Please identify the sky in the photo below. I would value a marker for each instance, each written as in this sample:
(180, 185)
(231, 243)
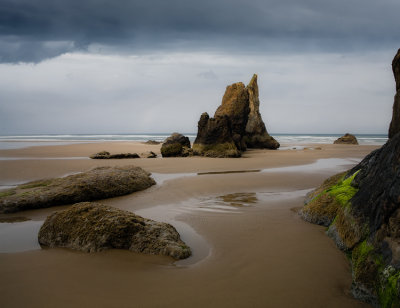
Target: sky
(148, 66)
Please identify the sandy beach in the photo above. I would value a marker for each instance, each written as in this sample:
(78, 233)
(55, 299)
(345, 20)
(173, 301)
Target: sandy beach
(250, 247)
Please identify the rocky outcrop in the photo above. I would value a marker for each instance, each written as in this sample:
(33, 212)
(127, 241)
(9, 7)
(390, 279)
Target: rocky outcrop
(346, 139)
(107, 155)
(236, 125)
(92, 227)
(95, 184)
(395, 123)
(361, 209)
(176, 145)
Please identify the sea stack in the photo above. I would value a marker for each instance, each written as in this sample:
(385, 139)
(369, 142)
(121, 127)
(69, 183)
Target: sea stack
(361, 209)
(236, 125)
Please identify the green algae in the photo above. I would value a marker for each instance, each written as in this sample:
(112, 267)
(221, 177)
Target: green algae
(343, 191)
(389, 290)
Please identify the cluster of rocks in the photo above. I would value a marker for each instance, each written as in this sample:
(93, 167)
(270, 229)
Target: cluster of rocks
(95, 184)
(346, 139)
(236, 125)
(92, 227)
(107, 155)
(361, 209)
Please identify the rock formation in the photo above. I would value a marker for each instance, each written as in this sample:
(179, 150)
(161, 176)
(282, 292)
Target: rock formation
(236, 125)
(95, 184)
(395, 124)
(346, 139)
(176, 145)
(92, 227)
(361, 209)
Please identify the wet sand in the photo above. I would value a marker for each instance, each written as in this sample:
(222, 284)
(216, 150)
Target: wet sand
(250, 247)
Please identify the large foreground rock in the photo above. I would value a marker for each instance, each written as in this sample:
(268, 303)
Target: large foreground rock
(95, 184)
(346, 139)
(92, 227)
(176, 145)
(236, 125)
(361, 209)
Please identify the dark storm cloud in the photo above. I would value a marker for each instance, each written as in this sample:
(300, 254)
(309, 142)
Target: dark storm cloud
(39, 29)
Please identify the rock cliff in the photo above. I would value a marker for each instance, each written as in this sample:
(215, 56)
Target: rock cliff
(92, 227)
(236, 125)
(361, 209)
(395, 124)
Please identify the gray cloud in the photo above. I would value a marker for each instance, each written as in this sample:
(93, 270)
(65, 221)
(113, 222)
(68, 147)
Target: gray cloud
(40, 29)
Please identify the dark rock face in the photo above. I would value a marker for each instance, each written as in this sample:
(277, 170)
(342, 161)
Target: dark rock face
(92, 227)
(346, 139)
(107, 155)
(175, 146)
(395, 124)
(362, 210)
(95, 184)
(236, 125)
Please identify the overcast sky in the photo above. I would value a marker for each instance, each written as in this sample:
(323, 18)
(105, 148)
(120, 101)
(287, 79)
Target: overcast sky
(134, 66)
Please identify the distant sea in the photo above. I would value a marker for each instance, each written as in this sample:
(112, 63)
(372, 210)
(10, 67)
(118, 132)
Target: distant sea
(23, 141)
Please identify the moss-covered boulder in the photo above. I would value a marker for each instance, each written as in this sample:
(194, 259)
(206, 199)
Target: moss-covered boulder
(176, 145)
(92, 227)
(95, 184)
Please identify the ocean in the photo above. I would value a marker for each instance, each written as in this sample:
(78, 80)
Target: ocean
(23, 141)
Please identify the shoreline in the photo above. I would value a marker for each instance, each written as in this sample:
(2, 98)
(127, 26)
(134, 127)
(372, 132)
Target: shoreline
(257, 245)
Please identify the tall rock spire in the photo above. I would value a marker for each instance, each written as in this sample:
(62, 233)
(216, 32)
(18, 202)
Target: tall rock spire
(256, 135)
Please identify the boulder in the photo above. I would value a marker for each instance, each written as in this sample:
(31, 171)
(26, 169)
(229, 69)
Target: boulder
(394, 127)
(92, 227)
(95, 184)
(236, 125)
(346, 139)
(176, 145)
(361, 209)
